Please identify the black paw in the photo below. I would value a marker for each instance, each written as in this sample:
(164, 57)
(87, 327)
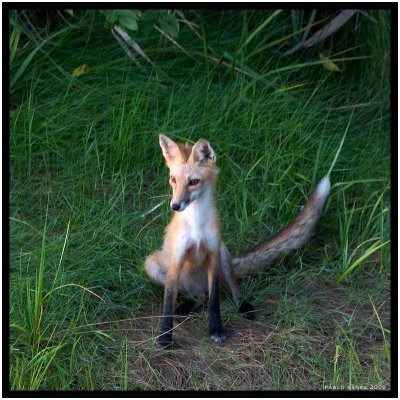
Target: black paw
(165, 340)
(218, 335)
(185, 308)
(247, 310)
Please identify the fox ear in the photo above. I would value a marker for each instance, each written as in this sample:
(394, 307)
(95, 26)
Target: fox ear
(202, 153)
(170, 150)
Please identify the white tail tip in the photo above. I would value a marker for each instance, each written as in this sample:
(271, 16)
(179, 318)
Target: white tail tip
(324, 187)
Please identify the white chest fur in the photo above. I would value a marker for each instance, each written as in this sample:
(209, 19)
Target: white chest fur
(198, 228)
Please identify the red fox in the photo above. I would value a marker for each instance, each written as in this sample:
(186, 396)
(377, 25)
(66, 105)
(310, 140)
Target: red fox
(193, 258)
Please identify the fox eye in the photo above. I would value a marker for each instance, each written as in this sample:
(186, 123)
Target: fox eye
(173, 179)
(194, 182)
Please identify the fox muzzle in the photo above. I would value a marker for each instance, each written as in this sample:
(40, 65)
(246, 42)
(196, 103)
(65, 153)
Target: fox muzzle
(179, 206)
(183, 204)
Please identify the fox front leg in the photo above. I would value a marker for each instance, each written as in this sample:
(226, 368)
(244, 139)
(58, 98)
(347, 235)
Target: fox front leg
(170, 294)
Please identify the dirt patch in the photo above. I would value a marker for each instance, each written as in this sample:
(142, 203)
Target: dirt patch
(266, 354)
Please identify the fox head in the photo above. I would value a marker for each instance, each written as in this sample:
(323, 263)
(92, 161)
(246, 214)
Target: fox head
(193, 171)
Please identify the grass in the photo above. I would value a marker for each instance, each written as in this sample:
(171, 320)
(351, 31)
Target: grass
(89, 201)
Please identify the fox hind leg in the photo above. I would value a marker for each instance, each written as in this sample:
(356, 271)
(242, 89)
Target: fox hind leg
(155, 269)
(244, 307)
(158, 273)
(216, 330)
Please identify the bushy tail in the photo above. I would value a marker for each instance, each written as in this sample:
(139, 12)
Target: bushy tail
(290, 238)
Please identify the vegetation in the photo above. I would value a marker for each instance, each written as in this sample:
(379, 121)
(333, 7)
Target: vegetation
(89, 198)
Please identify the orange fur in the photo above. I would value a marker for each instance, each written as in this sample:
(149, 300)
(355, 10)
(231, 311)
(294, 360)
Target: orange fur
(193, 258)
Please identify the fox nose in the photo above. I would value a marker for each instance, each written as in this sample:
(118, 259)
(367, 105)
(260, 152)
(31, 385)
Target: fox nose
(175, 206)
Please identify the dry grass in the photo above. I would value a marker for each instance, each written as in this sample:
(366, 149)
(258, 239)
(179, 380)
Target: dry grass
(266, 354)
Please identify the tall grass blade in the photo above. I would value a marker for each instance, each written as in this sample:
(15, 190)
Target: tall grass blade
(32, 54)
(261, 27)
(341, 144)
(38, 297)
(310, 23)
(384, 330)
(14, 40)
(74, 284)
(336, 372)
(355, 264)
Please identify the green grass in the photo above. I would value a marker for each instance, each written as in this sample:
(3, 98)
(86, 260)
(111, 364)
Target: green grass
(89, 201)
